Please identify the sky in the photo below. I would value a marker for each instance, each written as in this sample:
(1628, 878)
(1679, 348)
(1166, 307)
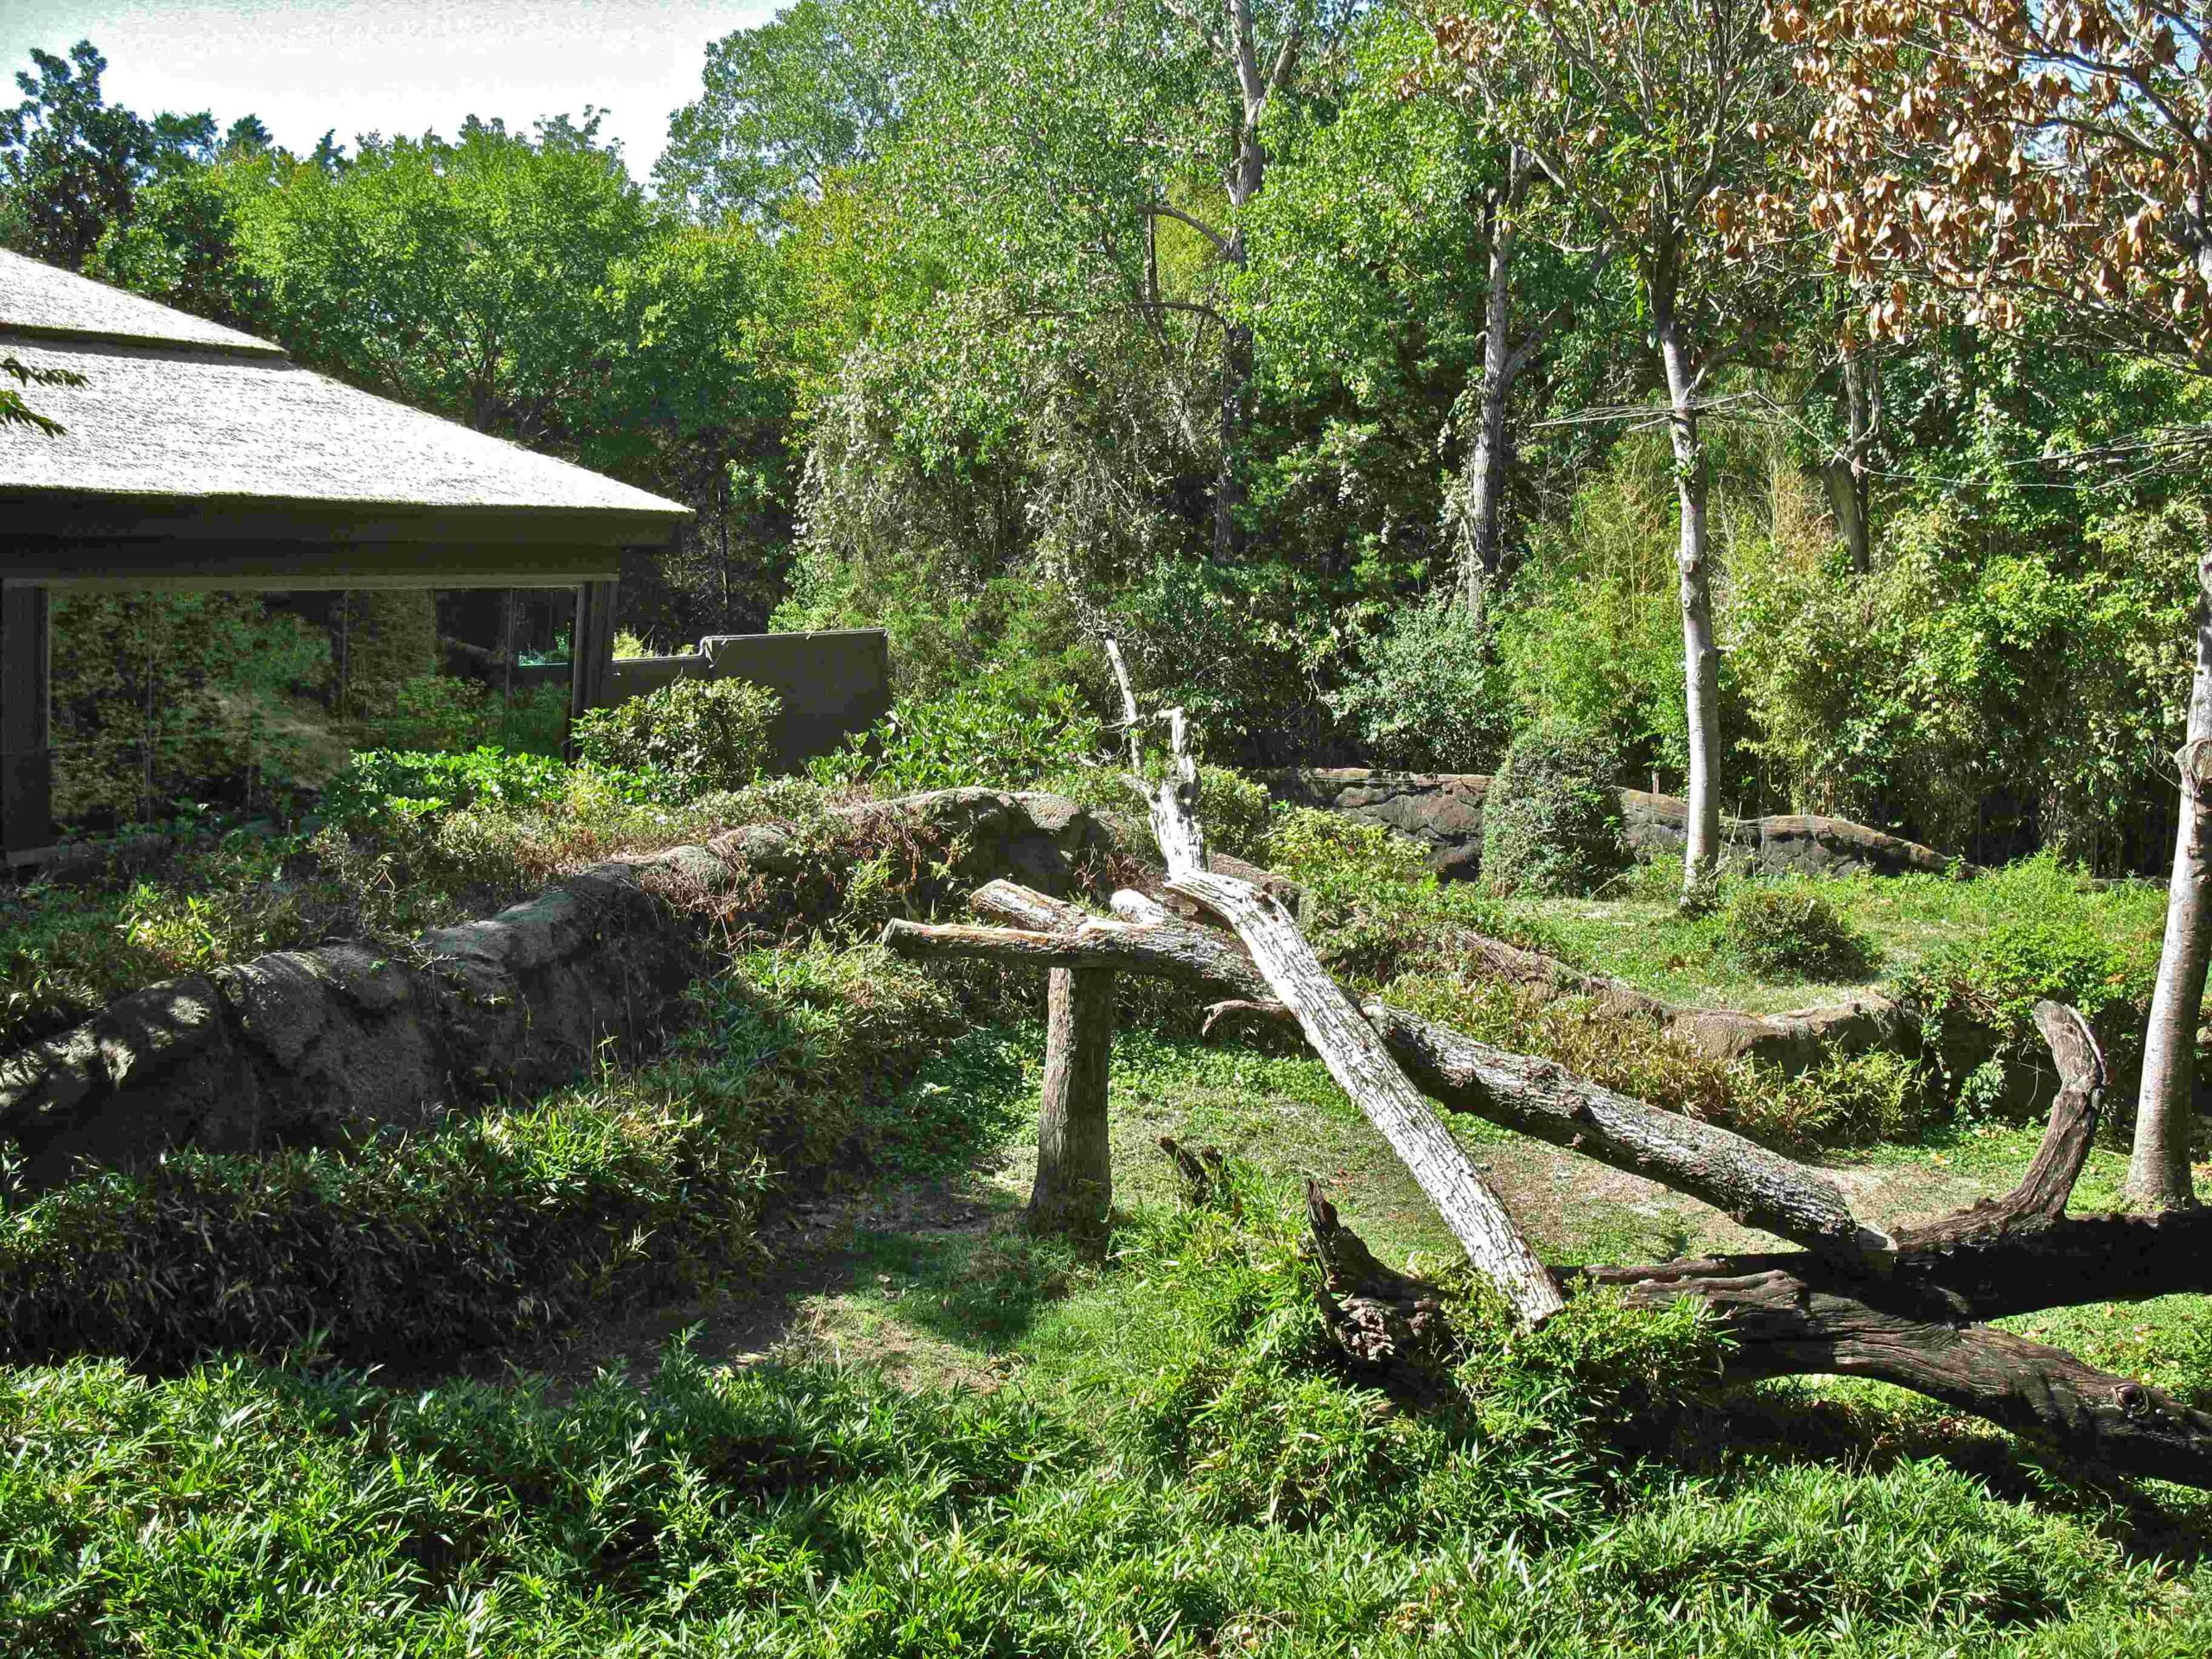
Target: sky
(395, 66)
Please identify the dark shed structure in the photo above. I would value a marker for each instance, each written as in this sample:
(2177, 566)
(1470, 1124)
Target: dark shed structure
(196, 457)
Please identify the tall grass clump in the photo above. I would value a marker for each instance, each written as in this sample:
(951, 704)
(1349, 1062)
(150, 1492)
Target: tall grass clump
(483, 1229)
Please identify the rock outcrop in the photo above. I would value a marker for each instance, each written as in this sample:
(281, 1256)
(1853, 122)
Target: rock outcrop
(302, 1047)
(1444, 811)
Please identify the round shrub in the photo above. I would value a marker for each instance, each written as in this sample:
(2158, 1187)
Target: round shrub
(1430, 695)
(1787, 931)
(1552, 823)
(700, 734)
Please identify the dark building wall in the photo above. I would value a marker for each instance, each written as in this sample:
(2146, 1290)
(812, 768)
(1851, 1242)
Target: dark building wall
(832, 684)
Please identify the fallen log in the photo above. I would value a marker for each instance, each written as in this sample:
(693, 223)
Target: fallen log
(1757, 1187)
(1355, 1055)
(1782, 1326)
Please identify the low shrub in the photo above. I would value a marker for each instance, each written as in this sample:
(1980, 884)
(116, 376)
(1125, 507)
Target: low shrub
(433, 712)
(1217, 1374)
(994, 731)
(1976, 997)
(1852, 1100)
(1552, 821)
(1430, 694)
(383, 786)
(1327, 849)
(1788, 930)
(697, 734)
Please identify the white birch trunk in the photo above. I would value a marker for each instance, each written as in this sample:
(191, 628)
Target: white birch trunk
(2158, 1170)
(1700, 656)
(1354, 1053)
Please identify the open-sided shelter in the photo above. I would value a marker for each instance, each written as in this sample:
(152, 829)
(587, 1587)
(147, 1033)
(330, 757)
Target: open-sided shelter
(194, 455)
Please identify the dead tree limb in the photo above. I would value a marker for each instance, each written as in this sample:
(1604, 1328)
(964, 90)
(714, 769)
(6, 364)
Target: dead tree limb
(1782, 1326)
(1349, 1047)
(1384, 1321)
(2039, 1200)
(1757, 1187)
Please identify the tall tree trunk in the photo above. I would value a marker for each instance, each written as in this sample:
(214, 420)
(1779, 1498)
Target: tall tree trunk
(2157, 1171)
(1700, 656)
(1236, 423)
(1479, 553)
(1845, 475)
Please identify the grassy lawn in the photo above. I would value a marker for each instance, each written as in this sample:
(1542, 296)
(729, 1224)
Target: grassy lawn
(930, 1434)
(1633, 930)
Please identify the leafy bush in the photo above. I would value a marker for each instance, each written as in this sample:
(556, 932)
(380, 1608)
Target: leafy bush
(1976, 997)
(1236, 810)
(490, 1228)
(1429, 694)
(1552, 821)
(698, 734)
(1788, 930)
(992, 732)
(387, 786)
(1313, 847)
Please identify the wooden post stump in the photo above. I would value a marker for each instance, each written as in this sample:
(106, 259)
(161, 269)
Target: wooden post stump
(1075, 1166)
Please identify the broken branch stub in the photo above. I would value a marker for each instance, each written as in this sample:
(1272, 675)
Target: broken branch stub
(1074, 1188)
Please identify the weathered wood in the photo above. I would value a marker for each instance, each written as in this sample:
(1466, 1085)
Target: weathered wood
(1190, 955)
(1780, 1326)
(1755, 1185)
(1758, 1187)
(1352, 1050)
(1074, 1188)
(2039, 1199)
(1383, 1321)
(1015, 905)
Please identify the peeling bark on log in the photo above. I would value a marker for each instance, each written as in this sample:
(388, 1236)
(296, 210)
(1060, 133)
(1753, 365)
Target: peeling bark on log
(1385, 1322)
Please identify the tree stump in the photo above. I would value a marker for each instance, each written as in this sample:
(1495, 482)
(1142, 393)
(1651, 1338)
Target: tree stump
(1075, 1166)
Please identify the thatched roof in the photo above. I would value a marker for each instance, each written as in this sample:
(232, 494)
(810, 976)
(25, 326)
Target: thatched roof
(183, 413)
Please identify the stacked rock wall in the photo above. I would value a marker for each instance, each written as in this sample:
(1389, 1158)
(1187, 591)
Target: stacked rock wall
(300, 1047)
(1445, 810)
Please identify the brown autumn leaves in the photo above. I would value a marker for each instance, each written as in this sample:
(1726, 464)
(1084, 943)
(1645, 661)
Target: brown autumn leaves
(1983, 161)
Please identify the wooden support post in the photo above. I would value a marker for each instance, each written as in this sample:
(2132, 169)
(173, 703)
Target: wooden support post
(1075, 1162)
(591, 649)
(26, 755)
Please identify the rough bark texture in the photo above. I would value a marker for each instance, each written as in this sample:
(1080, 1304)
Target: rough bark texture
(2158, 1170)
(1782, 1327)
(1701, 655)
(1074, 1186)
(1909, 1308)
(1350, 1049)
(1387, 1324)
(1480, 541)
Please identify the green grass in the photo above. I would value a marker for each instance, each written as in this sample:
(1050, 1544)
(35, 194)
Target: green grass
(1635, 932)
(969, 1440)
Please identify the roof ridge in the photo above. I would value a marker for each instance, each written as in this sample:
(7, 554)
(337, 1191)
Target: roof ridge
(247, 346)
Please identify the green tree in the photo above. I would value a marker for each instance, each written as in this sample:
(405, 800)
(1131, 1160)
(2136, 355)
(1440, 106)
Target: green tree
(71, 163)
(1664, 121)
(785, 107)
